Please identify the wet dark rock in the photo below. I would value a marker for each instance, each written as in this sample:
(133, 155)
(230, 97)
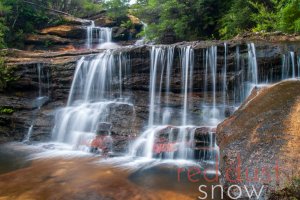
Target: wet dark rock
(122, 118)
(128, 120)
(104, 127)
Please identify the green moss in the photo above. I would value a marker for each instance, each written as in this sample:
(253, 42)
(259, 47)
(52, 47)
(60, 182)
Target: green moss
(291, 191)
(6, 73)
(7, 111)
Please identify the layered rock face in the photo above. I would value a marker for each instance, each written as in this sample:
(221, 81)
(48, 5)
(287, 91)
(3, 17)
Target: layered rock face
(72, 33)
(262, 137)
(20, 94)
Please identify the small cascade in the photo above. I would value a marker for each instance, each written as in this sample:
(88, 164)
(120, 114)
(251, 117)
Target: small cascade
(97, 36)
(161, 65)
(157, 60)
(167, 112)
(292, 55)
(96, 90)
(211, 112)
(187, 63)
(213, 69)
(43, 96)
(252, 72)
(166, 137)
(142, 40)
(238, 92)
(288, 67)
(224, 77)
(29, 133)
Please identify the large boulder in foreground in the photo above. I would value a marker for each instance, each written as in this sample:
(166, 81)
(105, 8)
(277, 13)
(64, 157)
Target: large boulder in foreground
(263, 134)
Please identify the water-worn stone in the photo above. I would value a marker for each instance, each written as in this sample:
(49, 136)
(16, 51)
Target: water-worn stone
(66, 31)
(263, 133)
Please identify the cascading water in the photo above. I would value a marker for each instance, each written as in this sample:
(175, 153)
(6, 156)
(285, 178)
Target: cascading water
(292, 54)
(95, 89)
(185, 131)
(288, 69)
(43, 90)
(96, 36)
(211, 112)
(187, 64)
(252, 73)
(142, 40)
(166, 137)
(224, 75)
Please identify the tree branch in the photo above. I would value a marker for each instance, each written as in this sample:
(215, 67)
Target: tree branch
(43, 7)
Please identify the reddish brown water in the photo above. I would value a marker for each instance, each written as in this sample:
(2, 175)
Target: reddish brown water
(84, 178)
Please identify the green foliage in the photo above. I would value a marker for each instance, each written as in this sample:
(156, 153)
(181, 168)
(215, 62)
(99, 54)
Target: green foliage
(77, 8)
(187, 20)
(18, 17)
(4, 10)
(209, 19)
(180, 19)
(6, 74)
(117, 9)
(88, 8)
(289, 17)
(235, 22)
(7, 111)
(22, 18)
(3, 29)
(127, 24)
(291, 191)
(265, 16)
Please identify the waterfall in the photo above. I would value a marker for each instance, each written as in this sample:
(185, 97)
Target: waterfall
(95, 35)
(239, 89)
(183, 111)
(96, 88)
(142, 40)
(29, 133)
(288, 66)
(42, 98)
(292, 55)
(252, 74)
(187, 63)
(213, 70)
(165, 138)
(283, 68)
(224, 75)
(168, 111)
(157, 60)
(211, 113)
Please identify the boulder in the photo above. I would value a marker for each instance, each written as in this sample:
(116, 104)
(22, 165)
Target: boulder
(103, 127)
(263, 134)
